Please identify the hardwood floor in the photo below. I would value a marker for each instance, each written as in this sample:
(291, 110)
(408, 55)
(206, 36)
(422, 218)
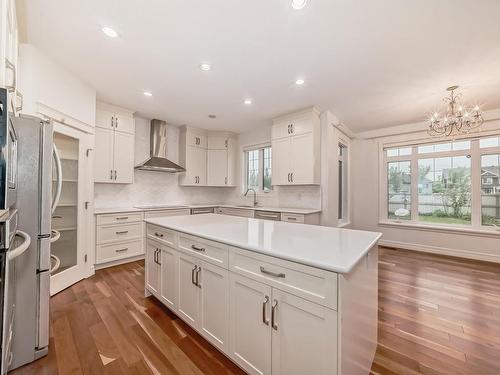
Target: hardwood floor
(437, 315)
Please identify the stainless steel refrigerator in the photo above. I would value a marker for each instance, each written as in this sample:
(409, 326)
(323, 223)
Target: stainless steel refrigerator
(34, 204)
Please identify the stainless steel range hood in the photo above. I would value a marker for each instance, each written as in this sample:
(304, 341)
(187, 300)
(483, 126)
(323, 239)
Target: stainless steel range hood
(158, 161)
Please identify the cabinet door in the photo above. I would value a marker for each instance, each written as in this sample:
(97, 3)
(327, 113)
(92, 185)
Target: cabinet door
(217, 167)
(196, 166)
(124, 124)
(124, 158)
(281, 161)
(168, 277)
(152, 268)
(196, 139)
(217, 143)
(104, 119)
(250, 331)
(302, 159)
(280, 129)
(188, 301)
(103, 160)
(304, 336)
(214, 305)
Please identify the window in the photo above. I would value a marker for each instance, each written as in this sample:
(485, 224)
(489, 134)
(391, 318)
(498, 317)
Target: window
(433, 183)
(399, 190)
(343, 211)
(258, 169)
(490, 194)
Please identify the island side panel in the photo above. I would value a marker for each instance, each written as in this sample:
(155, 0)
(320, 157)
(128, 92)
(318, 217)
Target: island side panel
(358, 312)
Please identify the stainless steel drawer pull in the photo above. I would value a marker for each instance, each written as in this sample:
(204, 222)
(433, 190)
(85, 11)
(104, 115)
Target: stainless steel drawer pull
(273, 315)
(272, 216)
(197, 248)
(270, 273)
(265, 320)
(122, 218)
(158, 234)
(122, 232)
(121, 250)
(291, 218)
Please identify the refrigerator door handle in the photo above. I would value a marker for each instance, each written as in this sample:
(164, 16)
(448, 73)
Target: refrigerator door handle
(14, 253)
(57, 195)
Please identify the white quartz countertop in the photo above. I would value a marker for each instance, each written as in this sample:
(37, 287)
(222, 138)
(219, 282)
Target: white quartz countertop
(115, 210)
(331, 249)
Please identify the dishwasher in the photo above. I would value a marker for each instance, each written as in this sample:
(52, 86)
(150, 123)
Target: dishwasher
(268, 215)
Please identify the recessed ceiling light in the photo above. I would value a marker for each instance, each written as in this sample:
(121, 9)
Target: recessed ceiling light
(148, 93)
(299, 82)
(248, 101)
(298, 4)
(110, 32)
(205, 67)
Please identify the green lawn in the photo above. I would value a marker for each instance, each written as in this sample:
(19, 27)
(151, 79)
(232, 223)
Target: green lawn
(443, 220)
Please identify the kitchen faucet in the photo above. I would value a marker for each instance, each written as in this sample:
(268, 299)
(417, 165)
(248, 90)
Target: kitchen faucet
(254, 196)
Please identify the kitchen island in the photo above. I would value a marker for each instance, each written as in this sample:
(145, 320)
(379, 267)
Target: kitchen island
(274, 297)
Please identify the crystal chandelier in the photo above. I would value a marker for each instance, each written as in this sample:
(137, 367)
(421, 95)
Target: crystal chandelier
(457, 119)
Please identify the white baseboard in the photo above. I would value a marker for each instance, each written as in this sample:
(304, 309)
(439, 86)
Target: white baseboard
(118, 262)
(476, 255)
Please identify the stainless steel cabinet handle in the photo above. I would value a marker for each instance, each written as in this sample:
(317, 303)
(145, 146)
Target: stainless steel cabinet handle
(121, 218)
(263, 214)
(122, 232)
(158, 257)
(273, 315)
(264, 311)
(288, 177)
(291, 128)
(192, 275)
(291, 177)
(115, 174)
(291, 218)
(198, 277)
(270, 273)
(111, 174)
(155, 254)
(158, 234)
(197, 248)
(116, 122)
(121, 250)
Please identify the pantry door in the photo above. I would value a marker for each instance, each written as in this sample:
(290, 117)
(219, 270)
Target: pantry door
(71, 219)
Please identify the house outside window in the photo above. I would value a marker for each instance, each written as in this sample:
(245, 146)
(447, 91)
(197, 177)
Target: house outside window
(446, 183)
(258, 169)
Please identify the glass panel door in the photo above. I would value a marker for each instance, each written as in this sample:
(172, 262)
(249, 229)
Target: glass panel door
(70, 217)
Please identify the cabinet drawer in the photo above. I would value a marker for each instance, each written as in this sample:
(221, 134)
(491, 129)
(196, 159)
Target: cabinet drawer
(121, 250)
(162, 213)
(235, 212)
(124, 217)
(162, 235)
(292, 218)
(114, 233)
(267, 215)
(313, 284)
(210, 251)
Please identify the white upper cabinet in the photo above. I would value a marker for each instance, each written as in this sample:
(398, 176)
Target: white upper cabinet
(209, 158)
(9, 52)
(114, 145)
(295, 140)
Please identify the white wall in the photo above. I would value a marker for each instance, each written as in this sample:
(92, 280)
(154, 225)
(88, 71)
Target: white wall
(41, 80)
(163, 188)
(365, 190)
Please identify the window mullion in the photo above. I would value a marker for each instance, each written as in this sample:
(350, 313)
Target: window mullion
(414, 184)
(261, 169)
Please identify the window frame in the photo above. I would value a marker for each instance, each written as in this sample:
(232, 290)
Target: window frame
(476, 178)
(260, 190)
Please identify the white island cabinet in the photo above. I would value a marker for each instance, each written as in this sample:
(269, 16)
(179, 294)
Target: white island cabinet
(275, 297)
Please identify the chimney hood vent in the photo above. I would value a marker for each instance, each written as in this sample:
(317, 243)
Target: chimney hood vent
(158, 161)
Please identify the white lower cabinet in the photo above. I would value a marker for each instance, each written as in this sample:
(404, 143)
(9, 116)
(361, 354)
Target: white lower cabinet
(168, 277)
(304, 336)
(213, 283)
(153, 268)
(263, 329)
(188, 304)
(250, 324)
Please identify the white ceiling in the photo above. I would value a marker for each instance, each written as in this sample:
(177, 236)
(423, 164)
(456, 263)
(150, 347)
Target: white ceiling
(373, 63)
